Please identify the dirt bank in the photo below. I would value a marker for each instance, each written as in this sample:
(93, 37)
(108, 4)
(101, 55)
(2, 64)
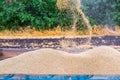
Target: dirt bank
(56, 42)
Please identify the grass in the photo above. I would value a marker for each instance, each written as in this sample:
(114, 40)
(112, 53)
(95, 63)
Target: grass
(57, 32)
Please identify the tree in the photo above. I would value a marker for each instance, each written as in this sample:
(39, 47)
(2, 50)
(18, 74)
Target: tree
(117, 13)
(41, 14)
(102, 11)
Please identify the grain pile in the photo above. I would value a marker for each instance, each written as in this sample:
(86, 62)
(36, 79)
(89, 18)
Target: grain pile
(100, 60)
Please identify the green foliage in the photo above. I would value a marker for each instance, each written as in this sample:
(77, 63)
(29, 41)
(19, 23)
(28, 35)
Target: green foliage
(44, 14)
(65, 19)
(41, 14)
(117, 12)
(102, 11)
(8, 13)
(81, 24)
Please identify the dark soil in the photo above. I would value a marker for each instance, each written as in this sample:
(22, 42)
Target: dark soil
(1, 53)
(55, 42)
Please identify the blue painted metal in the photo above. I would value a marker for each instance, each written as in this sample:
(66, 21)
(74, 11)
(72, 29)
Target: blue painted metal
(57, 77)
